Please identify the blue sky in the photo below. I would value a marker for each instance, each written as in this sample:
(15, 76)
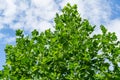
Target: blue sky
(39, 14)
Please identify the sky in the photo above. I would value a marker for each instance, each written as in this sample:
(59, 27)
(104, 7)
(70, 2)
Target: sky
(39, 14)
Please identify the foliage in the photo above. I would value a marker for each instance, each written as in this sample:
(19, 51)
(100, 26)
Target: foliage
(68, 53)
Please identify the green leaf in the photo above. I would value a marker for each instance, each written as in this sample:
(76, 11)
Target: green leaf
(19, 32)
(34, 33)
(104, 30)
(113, 37)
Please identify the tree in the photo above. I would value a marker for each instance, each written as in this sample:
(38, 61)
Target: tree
(71, 52)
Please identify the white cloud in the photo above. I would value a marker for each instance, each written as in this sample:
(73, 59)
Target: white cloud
(31, 15)
(10, 8)
(9, 40)
(16, 26)
(1, 26)
(37, 14)
(45, 25)
(97, 11)
(114, 26)
(2, 35)
(1, 5)
(43, 4)
(19, 14)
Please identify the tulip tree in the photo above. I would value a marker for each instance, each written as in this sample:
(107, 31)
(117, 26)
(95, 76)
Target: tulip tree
(71, 52)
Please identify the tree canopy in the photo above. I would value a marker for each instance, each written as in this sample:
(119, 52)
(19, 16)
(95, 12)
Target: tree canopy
(71, 52)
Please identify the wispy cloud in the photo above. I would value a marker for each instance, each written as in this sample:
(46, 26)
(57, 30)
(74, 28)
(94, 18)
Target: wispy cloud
(39, 14)
(97, 11)
(2, 35)
(114, 26)
(31, 14)
(28, 15)
(10, 40)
